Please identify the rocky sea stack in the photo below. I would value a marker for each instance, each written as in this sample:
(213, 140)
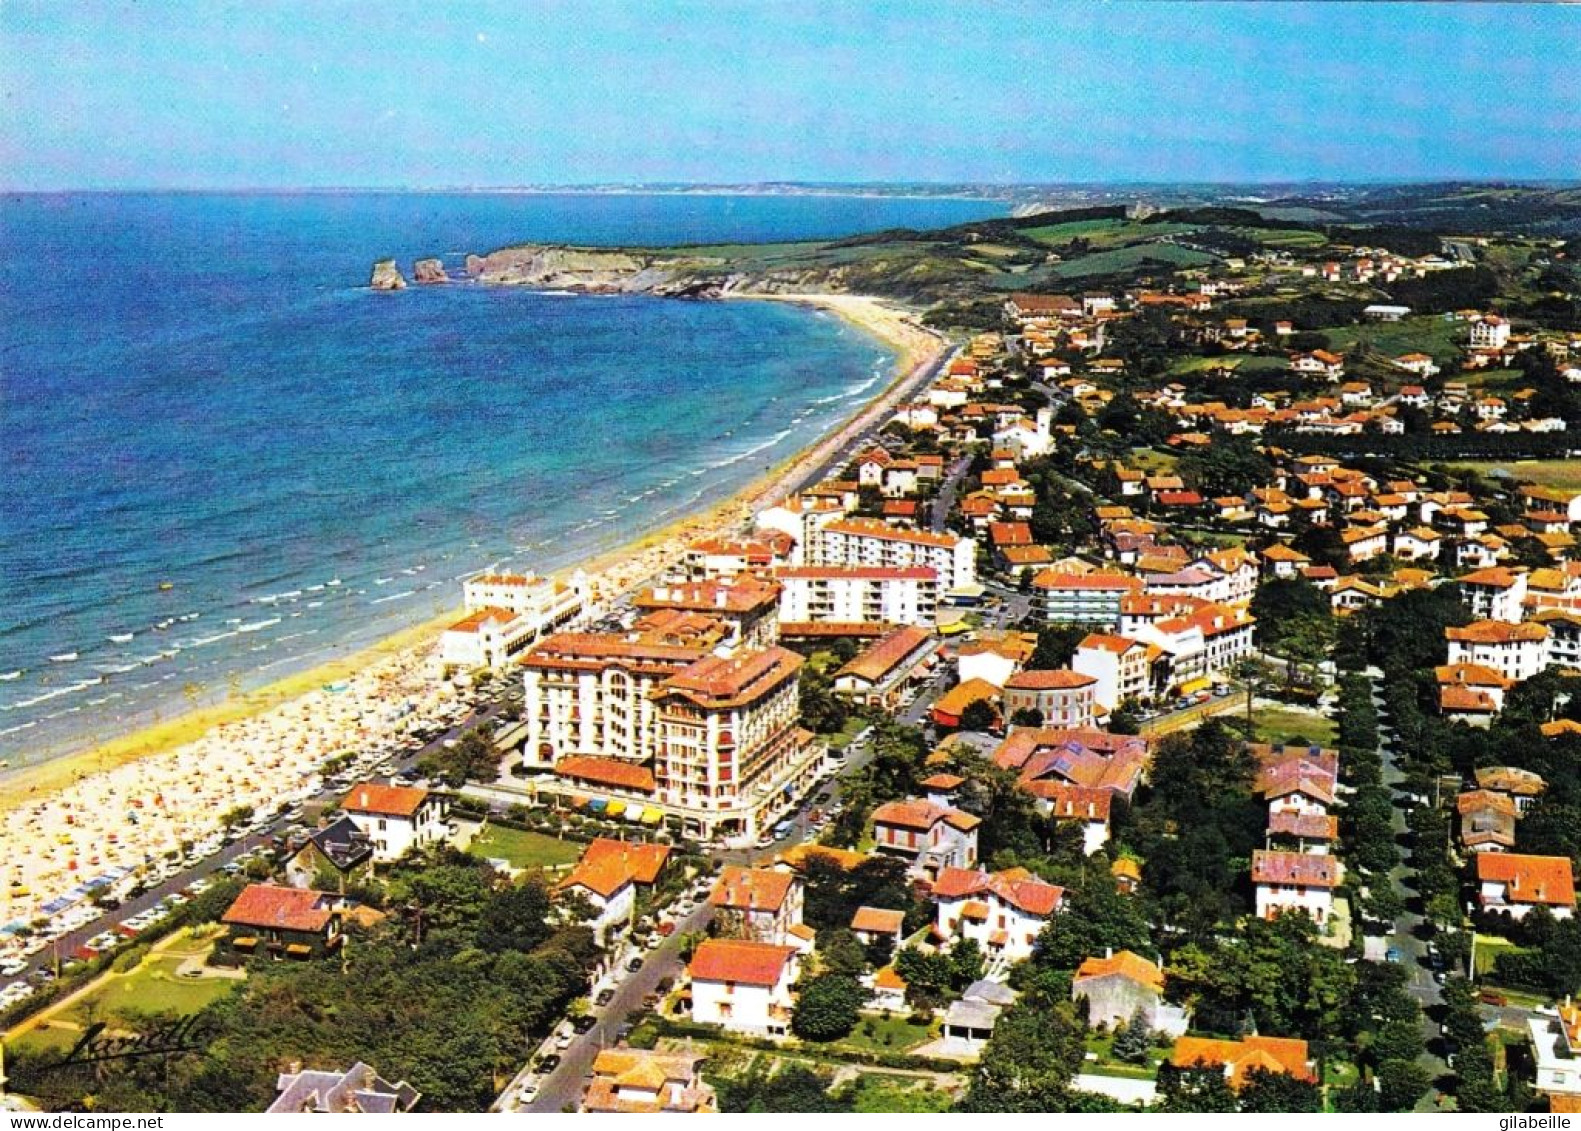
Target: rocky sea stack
(387, 276)
(429, 271)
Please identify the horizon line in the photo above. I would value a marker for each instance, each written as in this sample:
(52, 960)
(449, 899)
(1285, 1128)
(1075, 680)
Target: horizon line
(963, 187)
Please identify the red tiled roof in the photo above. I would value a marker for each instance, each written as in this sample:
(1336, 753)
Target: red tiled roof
(1055, 679)
(879, 659)
(1529, 879)
(751, 889)
(606, 772)
(1299, 868)
(384, 800)
(733, 960)
(1128, 965)
(608, 865)
(266, 906)
(879, 920)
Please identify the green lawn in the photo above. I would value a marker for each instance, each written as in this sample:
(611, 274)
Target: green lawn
(842, 738)
(523, 849)
(153, 988)
(1488, 949)
(1284, 724)
(1123, 259)
(1560, 473)
(1101, 1044)
(1430, 334)
(893, 1034)
(1243, 366)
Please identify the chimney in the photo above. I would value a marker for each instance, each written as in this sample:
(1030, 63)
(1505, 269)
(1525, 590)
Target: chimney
(364, 801)
(1108, 952)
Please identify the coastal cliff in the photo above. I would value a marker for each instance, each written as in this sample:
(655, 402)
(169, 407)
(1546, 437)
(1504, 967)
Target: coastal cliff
(598, 271)
(429, 271)
(387, 276)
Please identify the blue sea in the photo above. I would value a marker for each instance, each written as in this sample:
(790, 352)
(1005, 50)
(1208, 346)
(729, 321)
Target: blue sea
(216, 441)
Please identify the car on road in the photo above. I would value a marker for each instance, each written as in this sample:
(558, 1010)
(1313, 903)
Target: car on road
(1392, 954)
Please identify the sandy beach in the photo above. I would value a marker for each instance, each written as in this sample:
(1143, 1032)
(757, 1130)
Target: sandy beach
(138, 797)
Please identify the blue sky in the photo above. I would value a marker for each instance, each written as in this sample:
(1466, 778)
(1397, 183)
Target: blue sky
(334, 93)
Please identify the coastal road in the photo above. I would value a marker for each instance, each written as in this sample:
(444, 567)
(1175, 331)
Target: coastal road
(64, 947)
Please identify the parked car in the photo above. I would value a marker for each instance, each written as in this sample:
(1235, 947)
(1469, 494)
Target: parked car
(528, 1093)
(584, 1023)
(548, 1064)
(634, 965)
(604, 997)
(1492, 997)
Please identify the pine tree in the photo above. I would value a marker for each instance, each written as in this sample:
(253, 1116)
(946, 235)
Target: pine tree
(1133, 1040)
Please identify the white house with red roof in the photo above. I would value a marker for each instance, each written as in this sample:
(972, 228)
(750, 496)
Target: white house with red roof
(760, 904)
(930, 837)
(744, 986)
(396, 818)
(1513, 884)
(1061, 697)
(1295, 881)
(1003, 912)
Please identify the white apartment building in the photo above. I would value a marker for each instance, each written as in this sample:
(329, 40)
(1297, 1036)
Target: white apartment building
(1082, 598)
(870, 542)
(545, 603)
(1515, 651)
(906, 595)
(1122, 666)
(1496, 593)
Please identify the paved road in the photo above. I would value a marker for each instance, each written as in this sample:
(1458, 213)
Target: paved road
(944, 501)
(562, 1088)
(1407, 934)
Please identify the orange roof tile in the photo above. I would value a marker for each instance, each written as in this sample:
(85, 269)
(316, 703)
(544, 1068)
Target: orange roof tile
(751, 889)
(384, 800)
(734, 960)
(1127, 964)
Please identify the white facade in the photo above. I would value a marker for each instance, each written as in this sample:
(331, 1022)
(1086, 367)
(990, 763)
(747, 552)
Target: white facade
(742, 987)
(1121, 666)
(852, 594)
(544, 602)
(868, 542)
(396, 820)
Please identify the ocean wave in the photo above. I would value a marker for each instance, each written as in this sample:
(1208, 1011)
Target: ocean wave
(393, 597)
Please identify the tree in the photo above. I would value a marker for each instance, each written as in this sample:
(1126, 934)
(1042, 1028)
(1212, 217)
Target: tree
(793, 1088)
(1401, 1083)
(926, 974)
(828, 1008)
(967, 963)
(1194, 1090)
(1097, 919)
(842, 953)
(979, 715)
(1133, 1040)
(1029, 1062)
(1269, 1090)
(1027, 717)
